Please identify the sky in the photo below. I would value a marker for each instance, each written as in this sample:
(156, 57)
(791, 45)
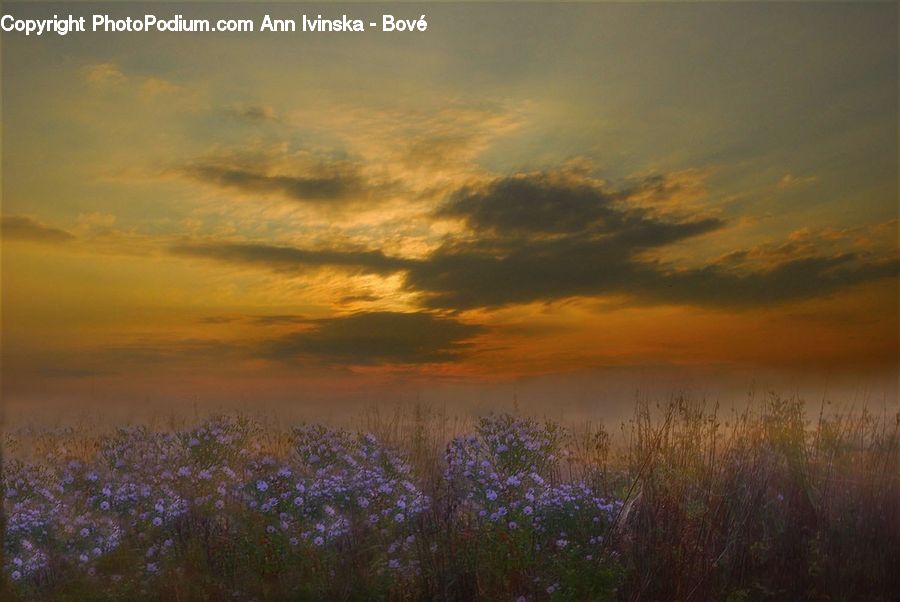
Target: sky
(558, 205)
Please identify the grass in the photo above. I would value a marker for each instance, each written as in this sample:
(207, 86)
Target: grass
(683, 503)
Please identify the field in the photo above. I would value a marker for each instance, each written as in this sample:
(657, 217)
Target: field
(680, 503)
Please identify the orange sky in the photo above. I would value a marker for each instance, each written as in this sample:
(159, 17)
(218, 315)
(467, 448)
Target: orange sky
(639, 196)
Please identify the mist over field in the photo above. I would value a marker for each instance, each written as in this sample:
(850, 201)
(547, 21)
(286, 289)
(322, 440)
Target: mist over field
(539, 302)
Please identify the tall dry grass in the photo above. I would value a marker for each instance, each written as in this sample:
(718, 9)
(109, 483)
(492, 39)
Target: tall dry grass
(764, 504)
(767, 503)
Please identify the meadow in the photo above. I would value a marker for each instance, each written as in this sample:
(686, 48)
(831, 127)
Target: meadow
(682, 502)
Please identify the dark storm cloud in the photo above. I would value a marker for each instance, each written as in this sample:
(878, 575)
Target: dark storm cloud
(546, 204)
(542, 237)
(20, 227)
(795, 279)
(332, 184)
(377, 338)
(285, 258)
(546, 237)
(534, 204)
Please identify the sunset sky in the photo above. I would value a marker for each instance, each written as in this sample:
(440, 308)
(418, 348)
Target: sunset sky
(543, 201)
